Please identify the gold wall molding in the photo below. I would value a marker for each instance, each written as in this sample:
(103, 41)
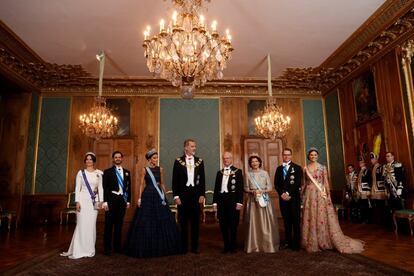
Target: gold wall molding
(407, 52)
(136, 89)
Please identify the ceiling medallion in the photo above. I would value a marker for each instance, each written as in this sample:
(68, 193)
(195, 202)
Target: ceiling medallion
(185, 51)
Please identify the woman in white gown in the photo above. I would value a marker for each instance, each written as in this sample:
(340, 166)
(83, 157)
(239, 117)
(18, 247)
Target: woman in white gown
(87, 199)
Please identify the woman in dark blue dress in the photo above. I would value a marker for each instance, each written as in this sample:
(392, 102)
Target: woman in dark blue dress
(153, 230)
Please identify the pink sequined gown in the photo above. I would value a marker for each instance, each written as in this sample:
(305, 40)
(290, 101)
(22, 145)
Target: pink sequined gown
(320, 226)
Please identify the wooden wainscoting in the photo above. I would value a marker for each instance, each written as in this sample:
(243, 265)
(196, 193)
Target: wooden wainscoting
(43, 209)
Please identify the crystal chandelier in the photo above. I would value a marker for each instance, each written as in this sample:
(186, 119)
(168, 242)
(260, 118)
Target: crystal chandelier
(185, 51)
(272, 123)
(99, 123)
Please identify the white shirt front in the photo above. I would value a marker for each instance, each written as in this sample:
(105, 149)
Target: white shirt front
(226, 175)
(189, 161)
(286, 165)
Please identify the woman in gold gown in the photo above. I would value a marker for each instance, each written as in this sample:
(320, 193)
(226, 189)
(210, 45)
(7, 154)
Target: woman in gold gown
(261, 226)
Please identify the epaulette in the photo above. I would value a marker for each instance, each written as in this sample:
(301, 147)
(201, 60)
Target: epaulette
(397, 165)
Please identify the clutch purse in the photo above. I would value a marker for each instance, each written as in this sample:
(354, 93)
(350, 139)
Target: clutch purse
(262, 199)
(98, 205)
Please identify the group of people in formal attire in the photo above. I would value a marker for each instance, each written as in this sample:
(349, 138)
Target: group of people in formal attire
(374, 192)
(154, 232)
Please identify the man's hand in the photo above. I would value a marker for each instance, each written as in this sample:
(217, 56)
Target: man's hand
(215, 207)
(128, 204)
(105, 206)
(239, 206)
(78, 207)
(177, 201)
(285, 197)
(139, 203)
(201, 200)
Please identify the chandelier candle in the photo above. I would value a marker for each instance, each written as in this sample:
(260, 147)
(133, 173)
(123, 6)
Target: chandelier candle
(185, 51)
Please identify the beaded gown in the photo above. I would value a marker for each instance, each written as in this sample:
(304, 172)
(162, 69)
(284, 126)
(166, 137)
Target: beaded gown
(320, 225)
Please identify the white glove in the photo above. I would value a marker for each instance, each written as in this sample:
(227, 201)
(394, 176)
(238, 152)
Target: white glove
(399, 192)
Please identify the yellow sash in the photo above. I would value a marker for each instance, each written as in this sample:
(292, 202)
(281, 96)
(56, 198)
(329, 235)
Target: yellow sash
(320, 187)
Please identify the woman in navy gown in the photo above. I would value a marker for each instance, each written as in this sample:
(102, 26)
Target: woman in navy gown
(153, 230)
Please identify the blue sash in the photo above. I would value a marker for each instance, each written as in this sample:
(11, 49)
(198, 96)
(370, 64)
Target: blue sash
(265, 195)
(121, 185)
(161, 193)
(285, 172)
(92, 194)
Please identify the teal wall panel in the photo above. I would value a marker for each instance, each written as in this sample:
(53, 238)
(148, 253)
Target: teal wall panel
(197, 119)
(53, 144)
(314, 127)
(336, 155)
(31, 144)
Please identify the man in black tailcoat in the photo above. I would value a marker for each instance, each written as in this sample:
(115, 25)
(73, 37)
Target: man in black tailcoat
(188, 186)
(117, 197)
(228, 201)
(288, 179)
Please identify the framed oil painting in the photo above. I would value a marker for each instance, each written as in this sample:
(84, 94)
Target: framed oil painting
(254, 109)
(364, 97)
(121, 107)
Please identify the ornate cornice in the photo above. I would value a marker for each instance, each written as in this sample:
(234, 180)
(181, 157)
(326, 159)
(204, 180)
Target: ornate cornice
(54, 79)
(40, 74)
(164, 89)
(392, 24)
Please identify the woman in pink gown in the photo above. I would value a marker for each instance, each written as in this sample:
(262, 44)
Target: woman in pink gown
(320, 226)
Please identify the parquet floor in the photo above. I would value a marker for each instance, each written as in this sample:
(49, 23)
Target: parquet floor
(24, 244)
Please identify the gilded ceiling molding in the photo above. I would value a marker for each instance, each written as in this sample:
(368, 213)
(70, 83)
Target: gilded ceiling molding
(54, 79)
(390, 25)
(380, 45)
(169, 91)
(41, 74)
